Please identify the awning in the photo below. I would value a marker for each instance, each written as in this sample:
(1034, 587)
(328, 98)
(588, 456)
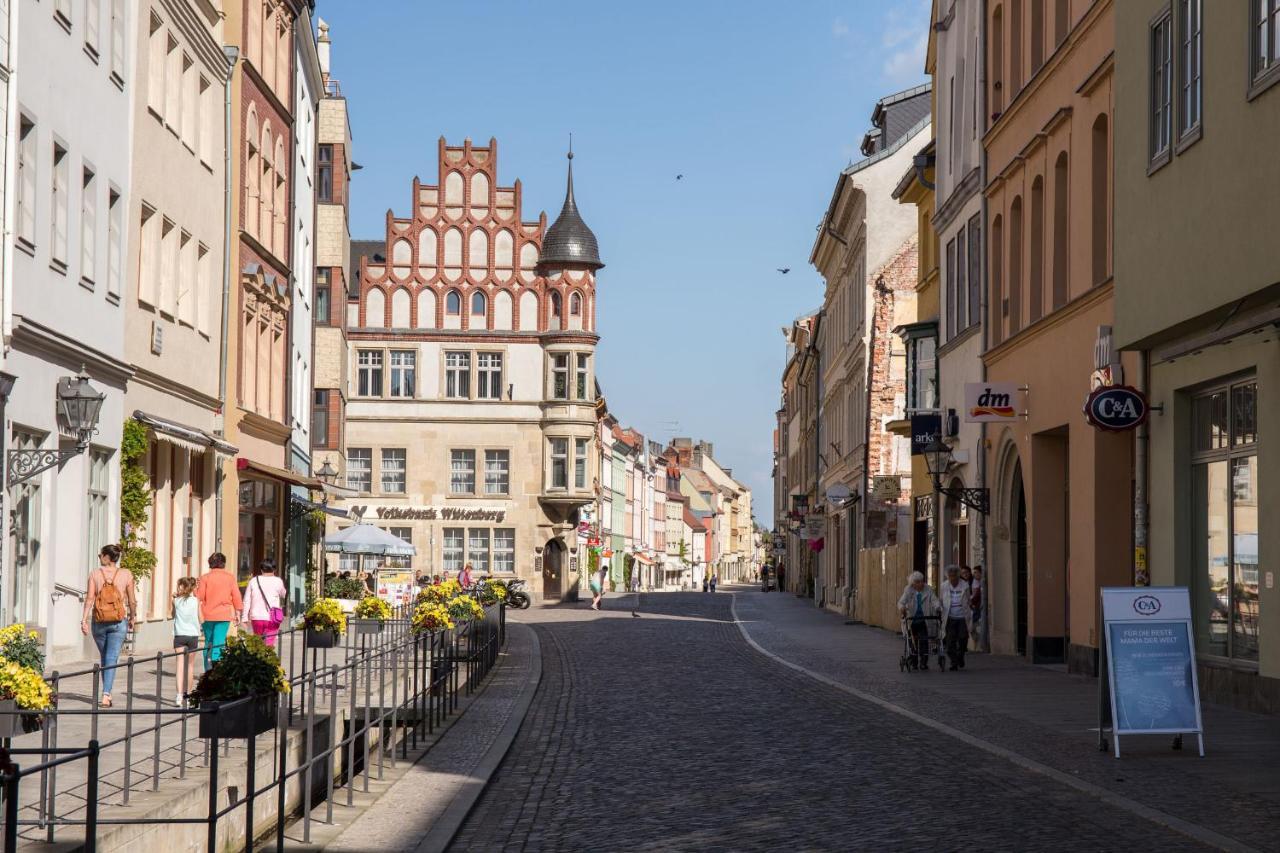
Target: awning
(312, 505)
(642, 558)
(186, 437)
(367, 539)
(275, 473)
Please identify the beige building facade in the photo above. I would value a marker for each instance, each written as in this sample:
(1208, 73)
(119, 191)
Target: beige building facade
(471, 390)
(1198, 301)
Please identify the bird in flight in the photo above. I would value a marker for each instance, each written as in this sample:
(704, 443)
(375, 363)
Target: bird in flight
(784, 270)
(679, 177)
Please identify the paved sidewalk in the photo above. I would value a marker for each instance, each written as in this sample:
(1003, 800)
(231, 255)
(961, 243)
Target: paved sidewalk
(424, 808)
(1043, 715)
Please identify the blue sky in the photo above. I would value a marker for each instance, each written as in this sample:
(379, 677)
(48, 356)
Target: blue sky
(758, 104)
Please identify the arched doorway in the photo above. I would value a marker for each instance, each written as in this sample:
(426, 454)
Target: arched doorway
(1018, 531)
(552, 565)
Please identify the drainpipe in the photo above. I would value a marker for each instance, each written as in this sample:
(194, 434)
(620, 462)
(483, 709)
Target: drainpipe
(1141, 451)
(984, 300)
(232, 54)
(10, 178)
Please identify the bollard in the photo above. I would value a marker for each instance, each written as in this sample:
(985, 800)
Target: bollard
(310, 723)
(155, 757)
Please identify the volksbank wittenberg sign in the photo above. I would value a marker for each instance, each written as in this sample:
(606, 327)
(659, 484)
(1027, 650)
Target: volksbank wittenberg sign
(1151, 665)
(431, 513)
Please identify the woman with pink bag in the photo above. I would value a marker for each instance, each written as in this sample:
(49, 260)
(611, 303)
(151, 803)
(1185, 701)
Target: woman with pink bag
(264, 602)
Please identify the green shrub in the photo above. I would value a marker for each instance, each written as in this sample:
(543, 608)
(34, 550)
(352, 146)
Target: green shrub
(248, 667)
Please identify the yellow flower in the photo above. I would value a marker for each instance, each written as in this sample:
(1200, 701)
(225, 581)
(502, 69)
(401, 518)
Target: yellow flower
(429, 617)
(25, 686)
(372, 607)
(325, 614)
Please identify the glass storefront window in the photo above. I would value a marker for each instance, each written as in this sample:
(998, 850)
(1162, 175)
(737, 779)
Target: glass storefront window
(1225, 519)
(258, 532)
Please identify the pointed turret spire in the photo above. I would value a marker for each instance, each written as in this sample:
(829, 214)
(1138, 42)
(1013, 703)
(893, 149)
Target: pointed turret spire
(569, 242)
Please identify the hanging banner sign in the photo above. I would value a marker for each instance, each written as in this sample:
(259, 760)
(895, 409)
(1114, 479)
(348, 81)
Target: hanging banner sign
(814, 527)
(1115, 408)
(886, 487)
(925, 429)
(990, 402)
(1151, 666)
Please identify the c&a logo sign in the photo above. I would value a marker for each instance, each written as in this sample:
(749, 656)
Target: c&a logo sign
(1146, 605)
(1116, 408)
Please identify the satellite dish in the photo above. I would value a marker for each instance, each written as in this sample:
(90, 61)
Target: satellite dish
(839, 493)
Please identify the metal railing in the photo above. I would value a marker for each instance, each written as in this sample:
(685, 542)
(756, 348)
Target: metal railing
(386, 681)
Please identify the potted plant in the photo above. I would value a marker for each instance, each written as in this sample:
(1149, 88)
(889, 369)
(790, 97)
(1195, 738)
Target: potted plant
(464, 608)
(439, 593)
(325, 623)
(492, 591)
(22, 684)
(370, 614)
(240, 694)
(347, 591)
(430, 618)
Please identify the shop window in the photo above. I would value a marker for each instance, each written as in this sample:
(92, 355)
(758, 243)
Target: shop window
(1225, 521)
(259, 528)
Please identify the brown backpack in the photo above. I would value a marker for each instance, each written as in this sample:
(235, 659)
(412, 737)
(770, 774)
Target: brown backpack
(108, 605)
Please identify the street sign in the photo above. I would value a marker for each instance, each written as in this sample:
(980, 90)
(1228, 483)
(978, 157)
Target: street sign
(814, 527)
(886, 488)
(990, 402)
(924, 430)
(1150, 658)
(1115, 408)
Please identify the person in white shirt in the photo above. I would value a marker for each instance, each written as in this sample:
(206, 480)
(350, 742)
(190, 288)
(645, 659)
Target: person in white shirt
(956, 602)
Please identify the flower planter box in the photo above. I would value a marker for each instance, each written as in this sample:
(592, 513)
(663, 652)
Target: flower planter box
(243, 720)
(317, 639)
(366, 626)
(17, 724)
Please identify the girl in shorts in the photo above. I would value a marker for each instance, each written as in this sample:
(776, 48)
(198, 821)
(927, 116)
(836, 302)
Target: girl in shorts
(186, 636)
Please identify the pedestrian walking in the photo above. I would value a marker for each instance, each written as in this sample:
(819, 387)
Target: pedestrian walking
(917, 603)
(956, 601)
(782, 576)
(186, 637)
(220, 603)
(464, 577)
(265, 600)
(597, 585)
(975, 607)
(110, 609)
(715, 579)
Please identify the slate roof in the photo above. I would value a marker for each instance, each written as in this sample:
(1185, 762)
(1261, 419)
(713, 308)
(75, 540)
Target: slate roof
(569, 242)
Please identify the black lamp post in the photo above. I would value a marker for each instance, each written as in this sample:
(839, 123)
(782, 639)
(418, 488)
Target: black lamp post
(937, 457)
(79, 407)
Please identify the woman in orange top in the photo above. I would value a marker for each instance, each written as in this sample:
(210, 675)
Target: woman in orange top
(220, 601)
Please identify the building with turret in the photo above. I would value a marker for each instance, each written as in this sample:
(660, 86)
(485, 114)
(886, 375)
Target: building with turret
(470, 416)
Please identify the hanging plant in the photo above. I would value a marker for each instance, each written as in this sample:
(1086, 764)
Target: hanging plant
(135, 499)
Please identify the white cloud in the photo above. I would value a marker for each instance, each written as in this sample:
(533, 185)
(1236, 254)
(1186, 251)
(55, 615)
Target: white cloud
(907, 65)
(839, 28)
(905, 38)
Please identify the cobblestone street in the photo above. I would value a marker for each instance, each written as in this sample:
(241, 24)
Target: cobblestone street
(669, 731)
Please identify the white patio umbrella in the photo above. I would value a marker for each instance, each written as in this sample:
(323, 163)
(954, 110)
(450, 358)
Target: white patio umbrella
(367, 539)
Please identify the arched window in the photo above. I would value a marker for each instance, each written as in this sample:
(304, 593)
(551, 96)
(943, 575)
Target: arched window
(1099, 180)
(479, 305)
(1037, 35)
(1015, 266)
(453, 303)
(575, 304)
(557, 307)
(997, 279)
(1035, 304)
(281, 203)
(997, 61)
(1060, 231)
(1015, 48)
(266, 190)
(253, 172)
(375, 309)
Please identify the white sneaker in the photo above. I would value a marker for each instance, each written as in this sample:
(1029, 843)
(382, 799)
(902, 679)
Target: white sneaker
(180, 699)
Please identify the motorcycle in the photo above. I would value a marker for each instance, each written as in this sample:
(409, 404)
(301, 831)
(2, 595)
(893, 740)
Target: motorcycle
(517, 597)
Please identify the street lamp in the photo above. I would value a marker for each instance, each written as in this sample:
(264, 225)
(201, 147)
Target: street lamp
(79, 405)
(937, 457)
(327, 473)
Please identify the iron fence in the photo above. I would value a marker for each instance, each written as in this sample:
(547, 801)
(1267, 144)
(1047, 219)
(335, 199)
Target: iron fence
(383, 680)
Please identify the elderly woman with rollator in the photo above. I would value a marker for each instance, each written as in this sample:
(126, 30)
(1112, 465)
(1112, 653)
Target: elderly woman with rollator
(917, 604)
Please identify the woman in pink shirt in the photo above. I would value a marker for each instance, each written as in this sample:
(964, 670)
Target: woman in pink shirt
(264, 602)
